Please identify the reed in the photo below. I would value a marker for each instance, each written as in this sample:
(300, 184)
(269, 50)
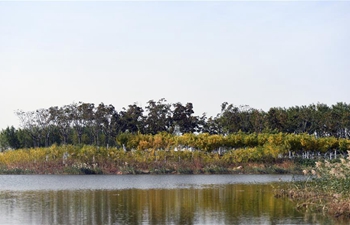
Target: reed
(326, 189)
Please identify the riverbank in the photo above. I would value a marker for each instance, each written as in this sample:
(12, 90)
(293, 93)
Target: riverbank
(153, 168)
(327, 189)
(92, 160)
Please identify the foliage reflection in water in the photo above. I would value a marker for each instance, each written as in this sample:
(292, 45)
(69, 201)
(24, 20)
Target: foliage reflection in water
(211, 204)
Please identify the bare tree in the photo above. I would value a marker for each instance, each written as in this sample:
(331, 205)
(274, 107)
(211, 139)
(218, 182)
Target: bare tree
(29, 122)
(43, 120)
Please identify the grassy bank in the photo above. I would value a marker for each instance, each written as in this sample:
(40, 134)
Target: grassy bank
(71, 159)
(327, 189)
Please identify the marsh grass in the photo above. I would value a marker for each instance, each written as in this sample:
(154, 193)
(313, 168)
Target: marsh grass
(326, 189)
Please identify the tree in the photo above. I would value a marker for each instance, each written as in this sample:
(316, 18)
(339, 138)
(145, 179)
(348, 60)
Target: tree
(301, 119)
(62, 119)
(340, 119)
(322, 116)
(131, 119)
(4, 144)
(107, 118)
(158, 116)
(208, 125)
(245, 114)
(29, 122)
(43, 121)
(9, 137)
(257, 120)
(229, 120)
(183, 117)
(276, 119)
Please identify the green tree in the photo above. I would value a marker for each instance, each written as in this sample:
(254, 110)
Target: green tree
(11, 137)
(257, 120)
(131, 119)
(322, 123)
(29, 122)
(158, 116)
(61, 118)
(184, 118)
(340, 117)
(4, 143)
(277, 119)
(229, 119)
(108, 118)
(208, 125)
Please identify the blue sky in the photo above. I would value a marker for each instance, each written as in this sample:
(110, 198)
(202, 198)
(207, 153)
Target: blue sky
(261, 54)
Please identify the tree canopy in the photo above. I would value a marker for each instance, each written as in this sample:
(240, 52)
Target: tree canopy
(86, 123)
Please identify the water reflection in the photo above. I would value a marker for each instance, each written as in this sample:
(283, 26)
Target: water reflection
(211, 204)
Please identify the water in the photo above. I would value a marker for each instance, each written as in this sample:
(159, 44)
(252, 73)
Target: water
(147, 199)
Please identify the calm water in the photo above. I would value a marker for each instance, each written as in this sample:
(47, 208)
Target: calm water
(147, 199)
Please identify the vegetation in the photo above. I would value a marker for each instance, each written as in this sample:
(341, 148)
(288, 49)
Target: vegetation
(188, 153)
(326, 190)
(71, 159)
(102, 125)
(168, 138)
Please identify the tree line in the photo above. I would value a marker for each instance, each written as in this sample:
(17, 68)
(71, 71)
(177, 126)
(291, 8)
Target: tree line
(100, 125)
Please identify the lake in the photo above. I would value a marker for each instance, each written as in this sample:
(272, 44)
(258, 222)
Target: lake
(147, 199)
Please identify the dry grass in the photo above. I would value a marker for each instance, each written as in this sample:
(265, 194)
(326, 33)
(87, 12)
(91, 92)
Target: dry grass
(326, 190)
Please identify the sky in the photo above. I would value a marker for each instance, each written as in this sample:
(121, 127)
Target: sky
(258, 53)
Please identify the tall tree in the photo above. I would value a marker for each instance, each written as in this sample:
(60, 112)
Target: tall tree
(62, 119)
(29, 122)
(43, 120)
(107, 118)
(257, 120)
(208, 125)
(91, 123)
(277, 119)
(9, 139)
(158, 116)
(132, 119)
(322, 115)
(340, 119)
(184, 118)
(229, 120)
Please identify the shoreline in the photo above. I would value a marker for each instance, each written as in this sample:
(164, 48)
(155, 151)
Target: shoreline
(285, 167)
